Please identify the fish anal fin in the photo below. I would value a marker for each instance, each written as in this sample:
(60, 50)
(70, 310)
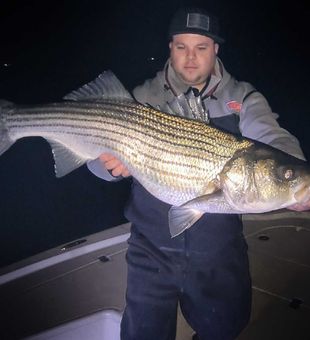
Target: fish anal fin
(65, 159)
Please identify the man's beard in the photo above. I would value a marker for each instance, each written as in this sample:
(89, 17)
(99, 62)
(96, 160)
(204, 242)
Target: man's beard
(198, 80)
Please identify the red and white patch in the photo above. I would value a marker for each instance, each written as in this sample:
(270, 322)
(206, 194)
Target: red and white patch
(234, 106)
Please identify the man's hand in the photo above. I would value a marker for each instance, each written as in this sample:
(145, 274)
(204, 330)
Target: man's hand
(303, 197)
(114, 165)
(300, 206)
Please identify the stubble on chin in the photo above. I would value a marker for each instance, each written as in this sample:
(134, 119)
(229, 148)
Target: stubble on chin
(191, 81)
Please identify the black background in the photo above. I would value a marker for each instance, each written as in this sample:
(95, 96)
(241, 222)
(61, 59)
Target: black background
(49, 48)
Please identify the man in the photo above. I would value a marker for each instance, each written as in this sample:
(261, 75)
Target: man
(205, 269)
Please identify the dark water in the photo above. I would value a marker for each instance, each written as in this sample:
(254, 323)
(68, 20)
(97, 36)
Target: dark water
(49, 49)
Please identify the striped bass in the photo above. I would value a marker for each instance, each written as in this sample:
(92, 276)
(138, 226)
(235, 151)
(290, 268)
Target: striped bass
(184, 162)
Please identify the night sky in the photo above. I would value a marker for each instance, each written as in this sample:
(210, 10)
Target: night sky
(49, 49)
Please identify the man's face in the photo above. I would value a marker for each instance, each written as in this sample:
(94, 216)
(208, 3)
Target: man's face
(193, 58)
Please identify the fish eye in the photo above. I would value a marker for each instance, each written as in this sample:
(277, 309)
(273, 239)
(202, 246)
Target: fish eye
(286, 173)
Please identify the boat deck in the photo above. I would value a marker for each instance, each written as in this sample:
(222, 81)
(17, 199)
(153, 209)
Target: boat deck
(88, 276)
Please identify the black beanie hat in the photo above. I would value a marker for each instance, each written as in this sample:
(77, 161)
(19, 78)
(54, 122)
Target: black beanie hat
(196, 21)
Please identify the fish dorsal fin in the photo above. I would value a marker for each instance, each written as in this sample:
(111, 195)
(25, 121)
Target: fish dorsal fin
(65, 159)
(105, 86)
(187, 105)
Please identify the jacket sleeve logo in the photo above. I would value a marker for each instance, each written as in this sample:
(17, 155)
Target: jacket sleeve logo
(234, 106)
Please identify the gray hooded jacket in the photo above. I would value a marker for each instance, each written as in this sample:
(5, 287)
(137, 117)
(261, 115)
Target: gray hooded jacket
(232, 105)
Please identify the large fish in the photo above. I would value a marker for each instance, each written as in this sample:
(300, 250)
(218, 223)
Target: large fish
(184, 162)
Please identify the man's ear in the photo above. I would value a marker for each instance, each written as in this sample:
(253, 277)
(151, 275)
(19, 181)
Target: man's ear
(216, 46)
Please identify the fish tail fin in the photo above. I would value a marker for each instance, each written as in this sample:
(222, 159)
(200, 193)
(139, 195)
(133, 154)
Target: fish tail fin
(5, 141)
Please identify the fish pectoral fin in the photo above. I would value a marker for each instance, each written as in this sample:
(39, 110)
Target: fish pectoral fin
(65, 159)
(211, 188)
(182, 218)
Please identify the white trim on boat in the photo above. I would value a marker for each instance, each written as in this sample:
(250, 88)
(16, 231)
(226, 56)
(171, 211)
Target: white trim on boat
(68, 255)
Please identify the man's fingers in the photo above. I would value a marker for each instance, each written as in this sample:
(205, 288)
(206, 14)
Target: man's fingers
(300, 207)
(125, 172)
(105, 157)
(117, 171)
(109, 161)
(114, 165)
(120, 171)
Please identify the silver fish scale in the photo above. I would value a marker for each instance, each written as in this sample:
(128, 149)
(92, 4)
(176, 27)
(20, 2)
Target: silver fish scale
(174, 158)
